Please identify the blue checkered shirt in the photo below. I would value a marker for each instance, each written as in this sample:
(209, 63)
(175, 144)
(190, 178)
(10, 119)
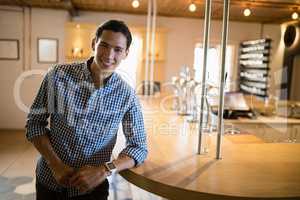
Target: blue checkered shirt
(84, 120)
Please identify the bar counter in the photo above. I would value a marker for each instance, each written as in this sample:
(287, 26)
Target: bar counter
(249, 169)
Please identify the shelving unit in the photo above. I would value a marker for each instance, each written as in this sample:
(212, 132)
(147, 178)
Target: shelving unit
(254, 67)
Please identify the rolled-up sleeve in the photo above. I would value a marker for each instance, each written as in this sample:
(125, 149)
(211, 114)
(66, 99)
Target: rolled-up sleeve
(37, 119)
(134, 131)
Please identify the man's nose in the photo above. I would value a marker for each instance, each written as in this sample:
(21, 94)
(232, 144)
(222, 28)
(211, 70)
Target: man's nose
(110, 52)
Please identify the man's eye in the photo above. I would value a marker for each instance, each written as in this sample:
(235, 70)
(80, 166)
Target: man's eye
(119, 50)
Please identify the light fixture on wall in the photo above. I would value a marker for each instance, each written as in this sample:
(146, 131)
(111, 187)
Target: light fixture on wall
(295, 15)
(247, 12)
(192, 7)
(77, 52)
(135, 3)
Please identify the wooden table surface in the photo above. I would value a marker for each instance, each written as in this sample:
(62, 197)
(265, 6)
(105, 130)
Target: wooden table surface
(266, 120)
(249, 168)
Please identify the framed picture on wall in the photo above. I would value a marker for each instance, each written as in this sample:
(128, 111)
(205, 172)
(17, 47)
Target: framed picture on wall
(47, 50)
(9, 49)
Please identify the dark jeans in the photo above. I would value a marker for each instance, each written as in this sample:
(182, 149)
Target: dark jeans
(99, 193)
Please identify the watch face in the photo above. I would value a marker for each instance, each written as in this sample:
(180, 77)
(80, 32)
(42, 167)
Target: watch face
(111, 165)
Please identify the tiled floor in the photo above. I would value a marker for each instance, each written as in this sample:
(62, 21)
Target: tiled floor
(17, 165)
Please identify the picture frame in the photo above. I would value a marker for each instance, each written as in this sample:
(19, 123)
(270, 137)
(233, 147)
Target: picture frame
(47, 50)
(9, 49)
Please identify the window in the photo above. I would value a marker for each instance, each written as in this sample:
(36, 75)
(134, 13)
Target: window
(213, 64)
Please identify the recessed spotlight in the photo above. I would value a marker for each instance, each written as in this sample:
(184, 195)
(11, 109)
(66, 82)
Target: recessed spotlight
(295, 15)
(135, 3)
(247, 12)
(77, 25)
(192, 7)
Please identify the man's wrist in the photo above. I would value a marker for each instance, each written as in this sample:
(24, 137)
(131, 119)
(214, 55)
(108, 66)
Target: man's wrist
(110, 168)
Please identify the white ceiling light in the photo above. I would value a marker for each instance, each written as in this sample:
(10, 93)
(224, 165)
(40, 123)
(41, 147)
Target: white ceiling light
(247, 12)
(135, 3)
(295, 15)
(192, 7)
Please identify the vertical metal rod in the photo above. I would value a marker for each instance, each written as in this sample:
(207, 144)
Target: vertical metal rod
(146, 91)
(222, 78)
(28, 37)
(203, 90)
(152, 46)
(24, 39)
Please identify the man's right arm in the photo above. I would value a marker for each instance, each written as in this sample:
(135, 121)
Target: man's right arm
(61, 171)
(37, 131)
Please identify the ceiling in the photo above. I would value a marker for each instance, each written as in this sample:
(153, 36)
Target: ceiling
(263, 11)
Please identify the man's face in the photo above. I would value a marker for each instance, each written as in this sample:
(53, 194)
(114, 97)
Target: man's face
(110, 50)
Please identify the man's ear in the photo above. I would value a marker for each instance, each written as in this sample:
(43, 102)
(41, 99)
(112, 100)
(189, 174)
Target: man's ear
(126, 52)
(93, 43)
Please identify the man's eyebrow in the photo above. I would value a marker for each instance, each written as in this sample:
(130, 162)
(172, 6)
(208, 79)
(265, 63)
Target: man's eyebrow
(104, 42)
(120, 47)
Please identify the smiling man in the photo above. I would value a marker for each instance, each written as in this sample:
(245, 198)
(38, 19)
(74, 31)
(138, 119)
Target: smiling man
(85, 103)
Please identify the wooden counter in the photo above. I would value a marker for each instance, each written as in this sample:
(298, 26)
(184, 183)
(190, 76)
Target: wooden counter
(249, 169)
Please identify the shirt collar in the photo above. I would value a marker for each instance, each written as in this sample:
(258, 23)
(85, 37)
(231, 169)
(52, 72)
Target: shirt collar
(86, 71)
(88, 75)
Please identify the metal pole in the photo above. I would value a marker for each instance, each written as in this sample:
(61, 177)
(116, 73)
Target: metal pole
(222, 77)
(146, 91)
(152, 47)
(206, 43)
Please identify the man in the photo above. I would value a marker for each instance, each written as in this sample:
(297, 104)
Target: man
(85, 103)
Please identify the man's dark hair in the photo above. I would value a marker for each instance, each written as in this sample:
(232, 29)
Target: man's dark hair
(115, 26)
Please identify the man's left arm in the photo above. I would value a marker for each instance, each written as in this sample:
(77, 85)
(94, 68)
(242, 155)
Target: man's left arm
(134, 153)
(135, 134)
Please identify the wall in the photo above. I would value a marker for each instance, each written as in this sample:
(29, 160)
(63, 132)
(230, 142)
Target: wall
(182, 34)
(11, 23)
(78, 36)
(26, 25)
(276, 57)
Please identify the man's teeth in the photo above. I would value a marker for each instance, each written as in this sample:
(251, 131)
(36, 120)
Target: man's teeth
(107, 63)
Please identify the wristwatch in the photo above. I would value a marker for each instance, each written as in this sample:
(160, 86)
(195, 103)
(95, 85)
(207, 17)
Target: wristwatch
(110, 167)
